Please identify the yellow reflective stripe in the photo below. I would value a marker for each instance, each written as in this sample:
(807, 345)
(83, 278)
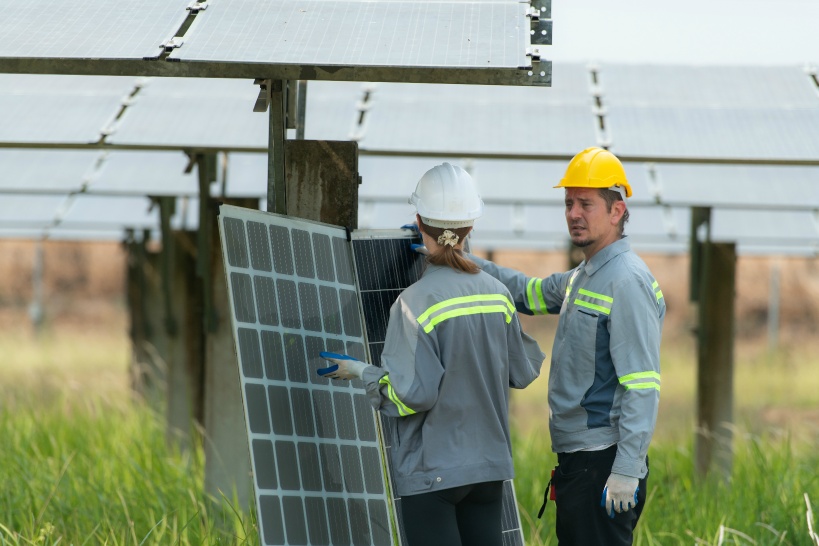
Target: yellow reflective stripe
(474, 310)
(403, 409)
(534, 288)
(640, 375)
(657, 292)
(642, 386)
(588, 305)
(595, 295)
(466, 299)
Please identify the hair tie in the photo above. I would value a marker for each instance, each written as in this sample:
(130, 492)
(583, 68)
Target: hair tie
(448, 238)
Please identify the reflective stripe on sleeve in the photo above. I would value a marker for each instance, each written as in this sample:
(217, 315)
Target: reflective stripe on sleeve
(403, 409)
(466, 305)
(657, 292)
(534, 294)
(638, 380)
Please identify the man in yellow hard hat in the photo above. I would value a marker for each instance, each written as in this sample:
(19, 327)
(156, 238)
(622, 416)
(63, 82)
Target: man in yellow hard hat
(604, 380)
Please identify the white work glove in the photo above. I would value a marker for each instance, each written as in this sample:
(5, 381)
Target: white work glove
(620, 494)
(342, 366)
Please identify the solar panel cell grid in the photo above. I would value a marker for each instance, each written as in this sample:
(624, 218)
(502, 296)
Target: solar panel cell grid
(89, 29)
(314, 448)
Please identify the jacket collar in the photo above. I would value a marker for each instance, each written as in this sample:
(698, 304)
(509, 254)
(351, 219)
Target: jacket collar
(605, 255)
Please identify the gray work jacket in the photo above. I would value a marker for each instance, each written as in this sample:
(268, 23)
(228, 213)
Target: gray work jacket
(604, 380)
(453, 348)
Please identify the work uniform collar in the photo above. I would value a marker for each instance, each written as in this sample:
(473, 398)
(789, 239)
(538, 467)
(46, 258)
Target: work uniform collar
(432, 268)
(604, 255)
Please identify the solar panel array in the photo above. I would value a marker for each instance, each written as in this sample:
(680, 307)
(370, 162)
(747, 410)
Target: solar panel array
(481, 119)
(317, 463)
(711, 112)
(448, 41)
(59, 111)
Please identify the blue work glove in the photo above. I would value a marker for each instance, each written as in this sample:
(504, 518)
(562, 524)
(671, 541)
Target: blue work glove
(620, 494)
(343, 366)
(415, 247)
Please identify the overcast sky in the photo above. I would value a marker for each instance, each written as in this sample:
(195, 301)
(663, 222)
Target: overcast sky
(703, 32)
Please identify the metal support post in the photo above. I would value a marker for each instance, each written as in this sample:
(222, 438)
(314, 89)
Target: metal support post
(276, 192)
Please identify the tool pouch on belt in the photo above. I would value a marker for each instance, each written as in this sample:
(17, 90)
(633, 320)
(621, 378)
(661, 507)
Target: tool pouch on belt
(549, 494)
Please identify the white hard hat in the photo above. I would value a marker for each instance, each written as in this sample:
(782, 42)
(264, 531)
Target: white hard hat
(446, 197)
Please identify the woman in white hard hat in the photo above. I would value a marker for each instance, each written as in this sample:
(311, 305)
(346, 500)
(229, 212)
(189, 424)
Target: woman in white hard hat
(453, 348)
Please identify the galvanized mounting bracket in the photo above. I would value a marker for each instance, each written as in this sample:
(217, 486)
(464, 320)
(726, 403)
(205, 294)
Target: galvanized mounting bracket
(196, 7)
(263, 99)
(541, 31)
(544, 7)
(174, 42)
(540, 72)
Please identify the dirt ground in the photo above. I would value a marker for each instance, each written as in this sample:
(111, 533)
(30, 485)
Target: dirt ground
(83, 288)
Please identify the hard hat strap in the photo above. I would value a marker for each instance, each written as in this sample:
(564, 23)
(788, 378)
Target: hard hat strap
(619, 189)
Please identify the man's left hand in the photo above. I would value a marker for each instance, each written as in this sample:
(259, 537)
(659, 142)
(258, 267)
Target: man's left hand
(620, 494)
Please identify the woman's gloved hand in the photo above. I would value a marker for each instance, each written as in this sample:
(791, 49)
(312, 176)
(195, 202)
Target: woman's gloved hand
(342, 366)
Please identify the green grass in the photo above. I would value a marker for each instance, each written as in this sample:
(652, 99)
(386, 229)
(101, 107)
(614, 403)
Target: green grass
(763, 503)
(93, 473)
(82, 464)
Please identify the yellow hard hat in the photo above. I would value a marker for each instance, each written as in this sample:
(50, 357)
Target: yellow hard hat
(595, 168)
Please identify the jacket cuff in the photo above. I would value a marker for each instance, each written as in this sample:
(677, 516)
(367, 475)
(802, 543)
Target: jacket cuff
(370, 376)
(634, 468)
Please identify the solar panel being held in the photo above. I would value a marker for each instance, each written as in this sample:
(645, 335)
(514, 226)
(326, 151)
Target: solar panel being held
(315, 452)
